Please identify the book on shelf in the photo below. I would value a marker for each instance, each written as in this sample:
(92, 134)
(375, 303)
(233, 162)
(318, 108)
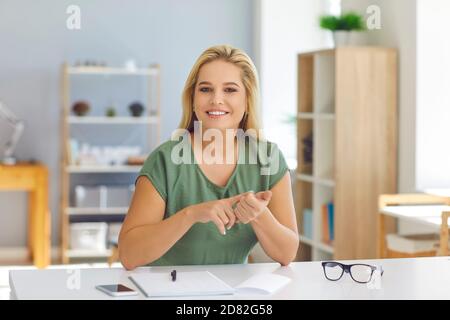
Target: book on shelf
(308, 223)
(330, 207)
(328, 222)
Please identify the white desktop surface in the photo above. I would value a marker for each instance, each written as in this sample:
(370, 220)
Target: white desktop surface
(412, 278)
(430, 215)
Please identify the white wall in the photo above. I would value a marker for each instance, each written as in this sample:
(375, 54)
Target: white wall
(285, 27)
(433, 94)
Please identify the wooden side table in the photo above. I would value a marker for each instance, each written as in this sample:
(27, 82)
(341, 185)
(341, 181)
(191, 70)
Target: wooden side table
(430, 210)
(34, 179)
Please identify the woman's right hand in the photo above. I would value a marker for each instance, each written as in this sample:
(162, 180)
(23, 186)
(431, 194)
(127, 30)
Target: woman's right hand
(220, 212)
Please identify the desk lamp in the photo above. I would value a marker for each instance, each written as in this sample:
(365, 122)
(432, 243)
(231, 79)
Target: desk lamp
(11, 128)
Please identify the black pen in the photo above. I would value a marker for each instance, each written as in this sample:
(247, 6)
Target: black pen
(174, 275)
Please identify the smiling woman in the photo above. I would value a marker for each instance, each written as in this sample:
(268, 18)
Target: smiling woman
(222, 79)
(215, 210)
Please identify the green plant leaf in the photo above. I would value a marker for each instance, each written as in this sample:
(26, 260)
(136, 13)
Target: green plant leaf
(329, 22)
(348, 22)
(352, 21)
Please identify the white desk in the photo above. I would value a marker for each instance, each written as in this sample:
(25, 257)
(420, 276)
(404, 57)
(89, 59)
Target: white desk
(417, 278)
(429, 215)
(434, 216)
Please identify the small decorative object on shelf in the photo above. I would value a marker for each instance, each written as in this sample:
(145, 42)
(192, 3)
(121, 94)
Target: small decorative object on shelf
(110, 112)
(341, 26)
(136, 109)
(136, 160)
(308, 149)
(81, 108)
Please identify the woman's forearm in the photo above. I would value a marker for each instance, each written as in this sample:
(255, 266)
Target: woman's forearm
(279, 242)
(144, 244)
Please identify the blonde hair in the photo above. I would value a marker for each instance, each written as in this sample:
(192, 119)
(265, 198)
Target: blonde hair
(249, 76)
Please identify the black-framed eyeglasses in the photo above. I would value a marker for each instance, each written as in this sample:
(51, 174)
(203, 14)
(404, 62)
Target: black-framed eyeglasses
(359, 272)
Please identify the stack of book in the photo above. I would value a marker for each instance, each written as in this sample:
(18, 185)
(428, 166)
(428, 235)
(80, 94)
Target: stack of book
(328, 222)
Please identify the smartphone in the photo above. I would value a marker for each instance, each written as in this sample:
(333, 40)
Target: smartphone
(117, 290)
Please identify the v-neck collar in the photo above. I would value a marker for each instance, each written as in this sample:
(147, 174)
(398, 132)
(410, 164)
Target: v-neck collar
(197, 166)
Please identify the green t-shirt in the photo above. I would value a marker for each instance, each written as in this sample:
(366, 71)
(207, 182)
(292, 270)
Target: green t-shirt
(176, 176)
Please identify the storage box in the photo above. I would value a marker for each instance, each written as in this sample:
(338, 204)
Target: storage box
(118, 196)
(88, 236)
(414, 243)
(113, 232)
(103, 196)
(90, 197)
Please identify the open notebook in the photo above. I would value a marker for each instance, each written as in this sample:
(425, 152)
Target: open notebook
(203, 283)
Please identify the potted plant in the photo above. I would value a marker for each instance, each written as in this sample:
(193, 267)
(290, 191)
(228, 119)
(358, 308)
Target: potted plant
(136, 109)
(342, 25)
(110, 111)
(81, 108)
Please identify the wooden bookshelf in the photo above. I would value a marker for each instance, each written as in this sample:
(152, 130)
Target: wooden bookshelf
(347, 100)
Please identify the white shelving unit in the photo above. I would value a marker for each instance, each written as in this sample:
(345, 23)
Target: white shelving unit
(96, 211)
(150, 120)
(112, 120)
(102, 169)
(315, 181)
(346, 102)
(94, 70)
(70, 253)
(315, 116)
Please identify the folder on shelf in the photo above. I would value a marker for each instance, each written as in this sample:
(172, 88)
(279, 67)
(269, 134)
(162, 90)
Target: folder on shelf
(325, 226)
(308, 223)
(330, 208)
(328, 222)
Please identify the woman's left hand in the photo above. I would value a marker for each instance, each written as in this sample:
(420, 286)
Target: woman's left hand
(251, 205)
